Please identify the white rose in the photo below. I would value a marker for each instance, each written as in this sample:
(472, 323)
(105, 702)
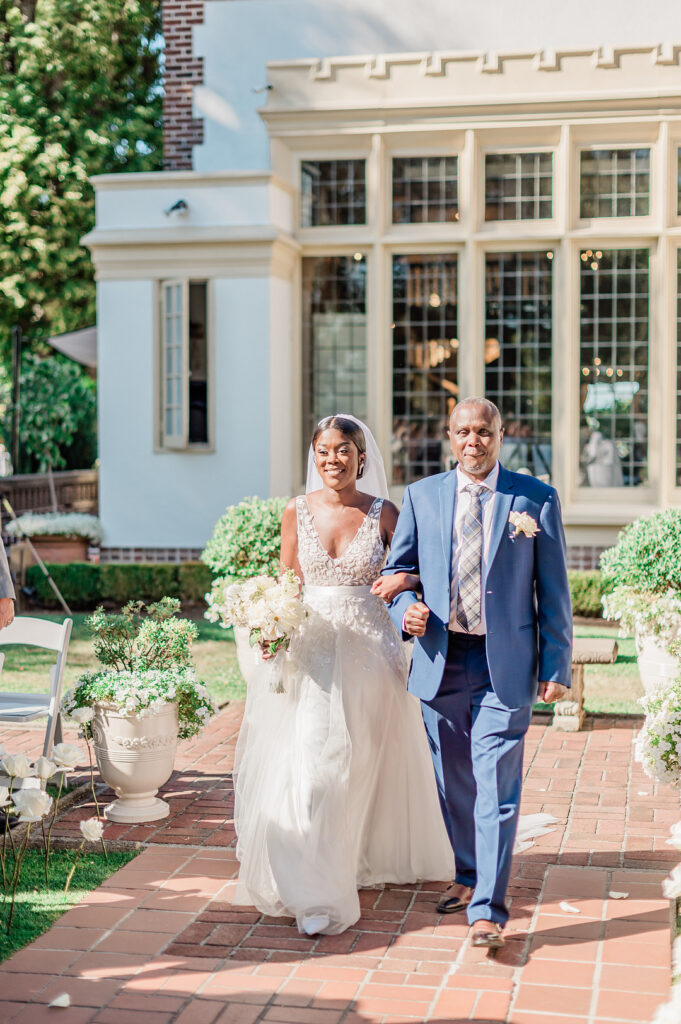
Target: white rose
(4, 796)
(92, 830)
(32, 804)
(671, 887)
(524, 523)
(66, 755)
(17, 766)
(82, 715)
(675, 839)
(44, 768)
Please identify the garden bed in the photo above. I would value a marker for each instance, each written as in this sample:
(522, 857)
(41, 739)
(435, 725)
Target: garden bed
(39, 905)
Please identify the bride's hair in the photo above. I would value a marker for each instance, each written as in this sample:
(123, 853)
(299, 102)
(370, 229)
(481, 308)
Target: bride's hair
(348, 429)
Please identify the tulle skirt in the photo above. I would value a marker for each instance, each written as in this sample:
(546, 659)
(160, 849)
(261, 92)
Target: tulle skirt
(334, 782)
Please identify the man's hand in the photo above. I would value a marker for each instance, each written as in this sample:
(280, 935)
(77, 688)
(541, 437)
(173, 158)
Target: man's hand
(415, 618)
(6, 611)
(549, 693)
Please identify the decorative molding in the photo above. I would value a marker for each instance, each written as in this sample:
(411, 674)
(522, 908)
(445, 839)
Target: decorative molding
(195, 179)
(144, 742)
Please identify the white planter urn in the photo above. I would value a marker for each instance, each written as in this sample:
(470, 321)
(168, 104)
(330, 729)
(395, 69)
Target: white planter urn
(135, 756)
(656, 666)
(249, 658)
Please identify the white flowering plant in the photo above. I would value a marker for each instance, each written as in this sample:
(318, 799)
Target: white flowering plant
(270, 609)
(658, 745)
(145, 653)
(142, 693)
(638, 611)
(62, 524)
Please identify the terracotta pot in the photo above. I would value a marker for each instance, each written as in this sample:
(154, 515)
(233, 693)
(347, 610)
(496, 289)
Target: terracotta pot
(57, 548)
(135, 756)
(656, 666)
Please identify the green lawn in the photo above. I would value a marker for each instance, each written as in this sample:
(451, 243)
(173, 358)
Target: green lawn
(38, 906)
(612, 688)
(26, 669)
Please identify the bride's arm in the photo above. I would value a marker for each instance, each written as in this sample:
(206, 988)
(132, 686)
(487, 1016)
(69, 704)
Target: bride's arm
(289, 539)
(388, 587)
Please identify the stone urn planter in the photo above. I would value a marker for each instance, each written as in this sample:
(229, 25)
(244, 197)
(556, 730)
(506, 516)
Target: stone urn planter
(656, 666)
(248, 657)
(135, 756)
(57, 548)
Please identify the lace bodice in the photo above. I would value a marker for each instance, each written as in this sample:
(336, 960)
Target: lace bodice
(359, 565)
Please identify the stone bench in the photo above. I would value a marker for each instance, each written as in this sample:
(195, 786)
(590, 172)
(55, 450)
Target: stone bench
(568, 715)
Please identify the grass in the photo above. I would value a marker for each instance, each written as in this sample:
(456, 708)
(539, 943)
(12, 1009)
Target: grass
(26, 668)
(612, 689)
(38, 906)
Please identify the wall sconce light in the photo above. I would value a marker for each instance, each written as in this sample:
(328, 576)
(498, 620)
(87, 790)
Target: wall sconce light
(178, 209)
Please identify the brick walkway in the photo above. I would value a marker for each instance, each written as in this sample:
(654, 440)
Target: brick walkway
(160, 941)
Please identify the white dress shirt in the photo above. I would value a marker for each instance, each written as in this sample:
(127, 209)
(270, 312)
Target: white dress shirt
(463, 500)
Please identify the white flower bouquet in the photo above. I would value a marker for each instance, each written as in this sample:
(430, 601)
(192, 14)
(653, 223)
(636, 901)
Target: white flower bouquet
(270, 609)
(658, 746)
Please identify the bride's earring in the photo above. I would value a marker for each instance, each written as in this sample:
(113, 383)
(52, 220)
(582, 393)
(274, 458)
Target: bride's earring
(360, 472)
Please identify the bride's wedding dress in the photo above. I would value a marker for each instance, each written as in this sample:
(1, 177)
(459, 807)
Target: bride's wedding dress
(334, 782)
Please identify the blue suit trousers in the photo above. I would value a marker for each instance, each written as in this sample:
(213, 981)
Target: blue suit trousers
(477, 747)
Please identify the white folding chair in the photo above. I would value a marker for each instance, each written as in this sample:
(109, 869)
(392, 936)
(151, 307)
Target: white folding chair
(24, 707)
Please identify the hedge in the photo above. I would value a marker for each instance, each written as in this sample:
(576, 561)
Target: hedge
(84, 584)
(586, 590)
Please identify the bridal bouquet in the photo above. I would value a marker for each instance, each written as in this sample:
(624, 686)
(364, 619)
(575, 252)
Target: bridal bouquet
(270, 609)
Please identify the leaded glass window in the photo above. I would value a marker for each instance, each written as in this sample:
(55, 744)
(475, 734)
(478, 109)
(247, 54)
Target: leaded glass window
(425, 349)
(333, 192)
(425, 189)
(334, 338)
(614, 367)
(518, 355)
(518, 186)
(614, 183)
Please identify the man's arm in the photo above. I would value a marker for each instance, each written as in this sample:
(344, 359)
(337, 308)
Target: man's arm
(554, 609)
(403, 557)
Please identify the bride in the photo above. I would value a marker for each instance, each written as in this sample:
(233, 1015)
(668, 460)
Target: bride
(333, 779)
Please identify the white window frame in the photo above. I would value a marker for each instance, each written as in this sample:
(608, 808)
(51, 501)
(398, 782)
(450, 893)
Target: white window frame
(179, 441)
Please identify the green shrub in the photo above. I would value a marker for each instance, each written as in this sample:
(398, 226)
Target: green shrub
(85, 584)
(138, 582)
(647, 555)
(586, 590)
(79, 582)
(194, 580)
(245, 540)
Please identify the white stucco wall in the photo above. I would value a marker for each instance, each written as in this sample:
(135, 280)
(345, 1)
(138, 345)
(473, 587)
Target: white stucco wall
(238, 39)
(149, 499)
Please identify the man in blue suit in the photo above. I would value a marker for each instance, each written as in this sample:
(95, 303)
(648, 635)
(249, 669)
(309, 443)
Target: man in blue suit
(493, 633)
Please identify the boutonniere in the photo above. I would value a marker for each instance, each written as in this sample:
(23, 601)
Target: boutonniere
(523, 523)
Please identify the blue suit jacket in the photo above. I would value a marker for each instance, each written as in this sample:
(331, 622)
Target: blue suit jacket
(527, 598)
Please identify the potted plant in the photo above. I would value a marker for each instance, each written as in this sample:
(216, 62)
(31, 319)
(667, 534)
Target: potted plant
(644, 570)
(58, 537)
(145, 697)
(245, 543)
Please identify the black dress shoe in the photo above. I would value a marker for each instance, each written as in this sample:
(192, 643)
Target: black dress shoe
(451, 904)
(13, 820)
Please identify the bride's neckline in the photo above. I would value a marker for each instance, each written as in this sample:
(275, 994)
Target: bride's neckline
(345, 550)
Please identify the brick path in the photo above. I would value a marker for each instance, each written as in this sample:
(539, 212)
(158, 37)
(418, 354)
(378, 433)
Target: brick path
(160, 941)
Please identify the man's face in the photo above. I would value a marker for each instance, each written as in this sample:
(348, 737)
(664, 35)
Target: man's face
(475, 436)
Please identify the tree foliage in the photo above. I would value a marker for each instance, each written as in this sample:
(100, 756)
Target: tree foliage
(79, 95)
(56, 410)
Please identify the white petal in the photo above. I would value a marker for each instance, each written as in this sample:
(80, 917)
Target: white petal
(63, 1000)
(618, 895)
(567, 908)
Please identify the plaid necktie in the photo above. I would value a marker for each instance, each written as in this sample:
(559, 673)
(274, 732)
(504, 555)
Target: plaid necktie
(468, 608)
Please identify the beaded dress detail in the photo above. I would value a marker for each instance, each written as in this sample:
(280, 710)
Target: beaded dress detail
(334, 781)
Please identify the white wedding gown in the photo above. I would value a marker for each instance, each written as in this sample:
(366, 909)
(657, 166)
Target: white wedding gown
(334, 782)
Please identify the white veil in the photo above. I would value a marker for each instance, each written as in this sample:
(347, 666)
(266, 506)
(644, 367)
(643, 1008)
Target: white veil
(373, 480)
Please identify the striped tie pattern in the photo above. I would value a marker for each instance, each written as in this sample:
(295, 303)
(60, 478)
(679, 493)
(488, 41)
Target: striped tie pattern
(468, 602)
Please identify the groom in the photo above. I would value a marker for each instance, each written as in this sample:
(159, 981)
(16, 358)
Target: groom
(493, 631)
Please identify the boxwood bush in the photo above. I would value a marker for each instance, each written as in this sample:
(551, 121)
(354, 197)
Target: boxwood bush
(586, 590)
(84, 584)
(246, 540)
(647, 555)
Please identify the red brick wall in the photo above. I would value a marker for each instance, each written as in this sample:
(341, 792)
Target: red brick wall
(183, 71)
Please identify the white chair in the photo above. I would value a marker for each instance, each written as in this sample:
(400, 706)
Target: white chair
(24, 707)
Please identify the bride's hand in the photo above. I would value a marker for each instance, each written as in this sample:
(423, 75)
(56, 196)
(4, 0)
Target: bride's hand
(388, 587)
